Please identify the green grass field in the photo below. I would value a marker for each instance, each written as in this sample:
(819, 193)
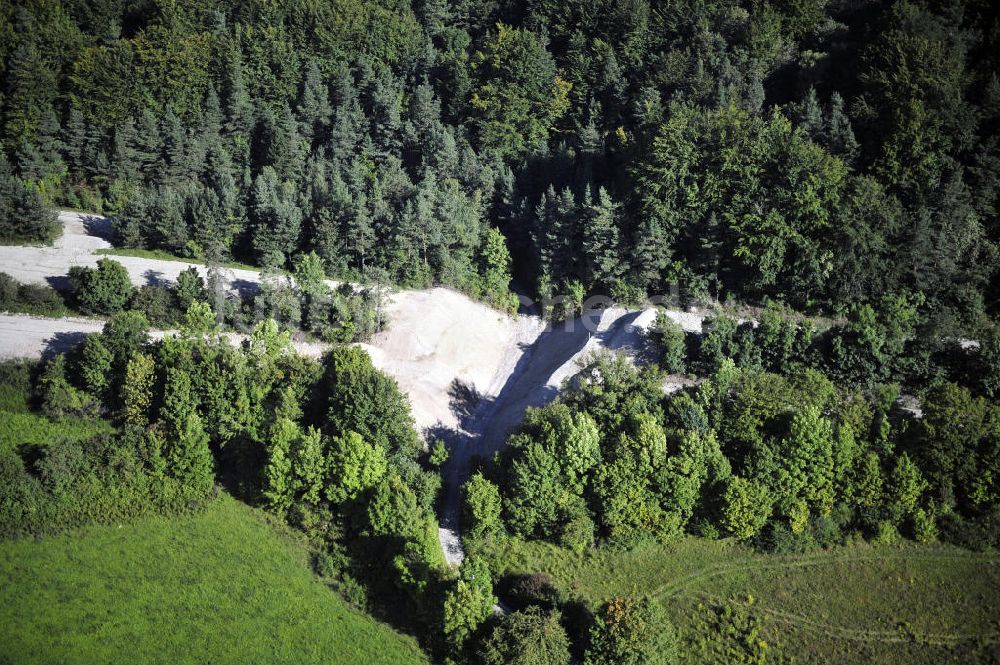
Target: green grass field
(19, 425)
(858, 604)
(224, 586)
(36, 429)
(160, 255)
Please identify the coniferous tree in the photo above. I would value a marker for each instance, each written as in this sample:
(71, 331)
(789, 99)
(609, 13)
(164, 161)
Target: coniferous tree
(23, 215)
(75, 136)
(386, 120)
(348, 120)
(276, 217)
(49, 148)
(30, 87)
(188, 457)
(811, 115)
(212, 118)
(124, 158)
(237, 103)
(601, 241)
(147, 146)
(132, 222)
(838, 133)
(169, 226)
(313, 109)
(175, 149)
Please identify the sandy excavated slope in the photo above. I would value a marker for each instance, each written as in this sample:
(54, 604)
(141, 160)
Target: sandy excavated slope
(439, 343)
(469, 371)
(434, 337)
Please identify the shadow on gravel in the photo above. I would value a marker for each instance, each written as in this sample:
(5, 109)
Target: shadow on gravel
(62, 342)
(102, 227)
(155, 278)
(244, 286)
(58, 282)
(464, 400)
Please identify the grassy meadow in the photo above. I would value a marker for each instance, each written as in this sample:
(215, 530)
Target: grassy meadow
(855, 604)
(34, 429)
(162, 255)
(228, 585)
(19, 425)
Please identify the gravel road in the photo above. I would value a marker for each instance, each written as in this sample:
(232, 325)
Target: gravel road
(23, 336)
(83, 236)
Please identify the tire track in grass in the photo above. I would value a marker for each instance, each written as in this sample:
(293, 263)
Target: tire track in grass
(681, 587)
(679, 584)
(854, 634)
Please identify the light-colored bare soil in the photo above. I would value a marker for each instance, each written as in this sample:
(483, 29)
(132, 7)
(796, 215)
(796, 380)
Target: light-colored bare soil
(23, 336)
(469, 371)
(440, 342)
(83, 235)
(31, 337)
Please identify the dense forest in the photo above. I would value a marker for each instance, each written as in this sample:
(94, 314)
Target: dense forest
(819, 153)
(820, 175)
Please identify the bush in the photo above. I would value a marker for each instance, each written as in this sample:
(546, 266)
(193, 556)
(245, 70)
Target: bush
(61, 463)
(8, 291)
(16, 385)
(924, 526)
(58, 397)
(190, 288)
(158, 304)
(438, 456)
(718, 343)
(577, 531)
(627, 294)
(40, 300)
(886, 533)
(826, 531)
(628, 631)
(529, 637)
(105, 290)
(671, 340)
(76, 483)
(481, 507)
(746, 507)
(980, 533)
(521, 591)
(780, 539)
(37, 299)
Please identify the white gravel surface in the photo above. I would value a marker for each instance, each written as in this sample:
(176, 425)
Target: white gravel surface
(83, 235)
(23, 336)
(469, 371)
(30, 337)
